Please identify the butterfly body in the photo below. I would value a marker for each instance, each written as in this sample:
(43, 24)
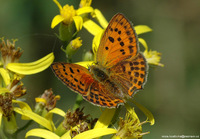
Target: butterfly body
(119, 72)
(104, 77)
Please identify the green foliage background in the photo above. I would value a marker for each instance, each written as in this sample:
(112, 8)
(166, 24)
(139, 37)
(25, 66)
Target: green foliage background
(172, 93)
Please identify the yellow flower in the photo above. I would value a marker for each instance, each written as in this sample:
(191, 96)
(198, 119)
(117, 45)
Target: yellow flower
(72, 48)
(7, 98)
(130, 127)
(153, 57)
(14, 88)
(11, 88)
(46, 102)
(43, 121)
(7, 112)
(77, 119)
(100, 128)
(76, 43)
(68, 14)
(28, 114)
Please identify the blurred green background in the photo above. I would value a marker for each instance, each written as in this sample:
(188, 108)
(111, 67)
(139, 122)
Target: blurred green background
(172, 93)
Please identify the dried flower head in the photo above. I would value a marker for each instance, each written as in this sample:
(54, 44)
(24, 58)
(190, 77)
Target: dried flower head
(74, 118)
(80, 128)
(6, 104)
(16, 88)
(8, 52)
(48, 99)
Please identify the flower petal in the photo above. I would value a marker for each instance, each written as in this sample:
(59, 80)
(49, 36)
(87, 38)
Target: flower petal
(143, 42)
(56, 20)
(153, 57)
(101, 19)
(49, 115)
(92, 27)
(146, 112)
(94, 133)
(38, 99)
(3, 90)
(84, 10)
(85, 3)
(105, 118)
(96, 41)
(33, 67)
(1, 115)
(55, 111)
(58, 4)
(5, 75)
(78, 20)
(42, 133)
(85, 64)
(142, 29)
(37, 118)
(24, 106)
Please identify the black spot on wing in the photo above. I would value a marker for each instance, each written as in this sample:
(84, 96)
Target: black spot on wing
(111, 39)
(121, 43)
(71, 70)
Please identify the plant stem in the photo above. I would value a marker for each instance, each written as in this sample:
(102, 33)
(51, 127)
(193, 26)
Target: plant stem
(79, 99)
(24, 127)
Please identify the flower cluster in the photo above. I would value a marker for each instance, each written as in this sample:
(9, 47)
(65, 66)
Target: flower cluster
(11, 86)
(75, 124)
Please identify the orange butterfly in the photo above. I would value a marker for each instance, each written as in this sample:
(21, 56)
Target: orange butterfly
(120, 70)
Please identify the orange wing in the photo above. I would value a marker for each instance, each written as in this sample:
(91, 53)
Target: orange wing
(130, 74)
(119, 42)
(79, 79)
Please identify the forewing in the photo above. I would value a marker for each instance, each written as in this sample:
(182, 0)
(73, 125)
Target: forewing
(79, 79)
(76, 77)
(119, 42)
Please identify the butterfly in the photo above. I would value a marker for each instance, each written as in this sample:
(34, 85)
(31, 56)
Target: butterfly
(120, 69)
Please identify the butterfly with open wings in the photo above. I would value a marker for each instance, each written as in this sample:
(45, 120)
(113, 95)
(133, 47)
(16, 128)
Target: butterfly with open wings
(120, 69)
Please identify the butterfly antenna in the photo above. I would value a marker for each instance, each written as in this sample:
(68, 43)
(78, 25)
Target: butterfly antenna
(54, 45)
